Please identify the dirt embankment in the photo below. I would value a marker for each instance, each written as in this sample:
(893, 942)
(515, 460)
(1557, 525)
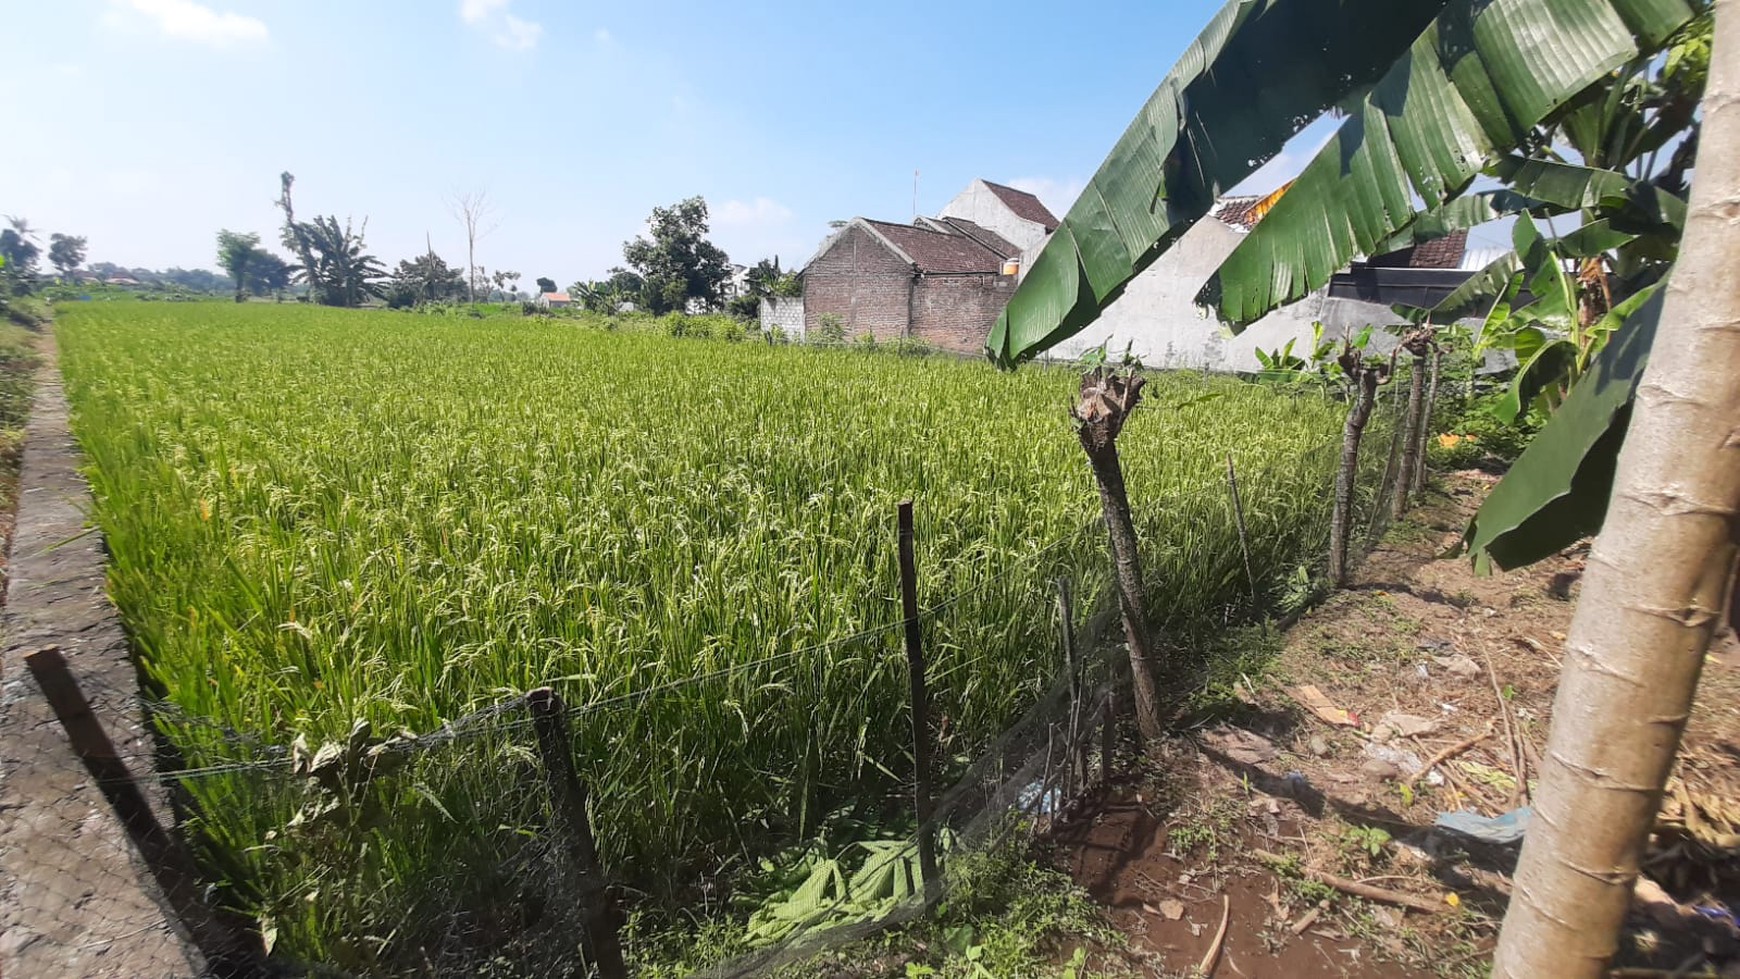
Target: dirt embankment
(1420, 690)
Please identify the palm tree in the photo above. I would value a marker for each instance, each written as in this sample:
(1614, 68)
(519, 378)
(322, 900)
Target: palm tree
(1437, 93)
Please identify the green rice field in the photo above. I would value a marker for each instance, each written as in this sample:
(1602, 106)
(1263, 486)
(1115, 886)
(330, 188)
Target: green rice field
(319, 517)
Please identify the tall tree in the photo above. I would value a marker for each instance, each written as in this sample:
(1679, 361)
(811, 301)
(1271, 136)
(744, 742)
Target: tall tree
(426, 278)
(677, 263)
(473, 210)
(19, 248)
(546, 285)
(295, 234)
(268, 274)
(65, 253)
(1659, 577)
(235, 253)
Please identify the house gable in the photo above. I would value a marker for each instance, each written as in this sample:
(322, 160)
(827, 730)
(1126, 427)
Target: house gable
(1024, 225)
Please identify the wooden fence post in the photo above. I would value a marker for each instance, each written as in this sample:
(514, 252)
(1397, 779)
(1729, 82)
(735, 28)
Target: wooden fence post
(229, 950)
(602, 945)
(920, 701)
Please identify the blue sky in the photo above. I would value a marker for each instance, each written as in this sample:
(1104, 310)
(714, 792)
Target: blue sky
(150, 124)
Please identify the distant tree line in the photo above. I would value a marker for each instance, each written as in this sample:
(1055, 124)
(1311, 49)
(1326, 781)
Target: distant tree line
(671, 268)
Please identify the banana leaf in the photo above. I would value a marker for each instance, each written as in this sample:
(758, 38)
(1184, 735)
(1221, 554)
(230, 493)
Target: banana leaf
(1470, 89)
(1260, 72)
(1556, 492)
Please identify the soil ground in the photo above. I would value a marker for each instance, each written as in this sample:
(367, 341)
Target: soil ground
(1244, 814)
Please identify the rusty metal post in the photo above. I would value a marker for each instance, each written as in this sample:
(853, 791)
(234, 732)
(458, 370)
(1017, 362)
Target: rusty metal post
(920, 700)
(568, 797)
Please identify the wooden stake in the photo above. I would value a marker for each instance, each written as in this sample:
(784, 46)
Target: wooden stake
(920, 700)
(568, 797)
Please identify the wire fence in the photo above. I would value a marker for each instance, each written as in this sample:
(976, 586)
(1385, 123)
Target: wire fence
(493, 847)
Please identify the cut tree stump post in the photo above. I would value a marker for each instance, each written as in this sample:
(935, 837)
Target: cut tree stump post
(230, 951)
(568, 796)
(920, 701)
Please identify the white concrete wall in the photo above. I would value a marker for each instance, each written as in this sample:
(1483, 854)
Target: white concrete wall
(1158, 318)
(980, 205)
(785, 313)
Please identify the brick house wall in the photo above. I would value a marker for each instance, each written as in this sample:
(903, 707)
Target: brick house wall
(858, 279)
(956, 312)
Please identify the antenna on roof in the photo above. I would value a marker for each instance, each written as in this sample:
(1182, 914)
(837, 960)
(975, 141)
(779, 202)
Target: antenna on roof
(915, 195)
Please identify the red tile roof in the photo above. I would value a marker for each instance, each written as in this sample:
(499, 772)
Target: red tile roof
(984, 236)
(1025, 205)
(1439, 253)
(1245, 213)
(937, 252)
(1240, 212)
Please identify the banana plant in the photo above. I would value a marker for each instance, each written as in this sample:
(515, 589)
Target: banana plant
(1428, 114)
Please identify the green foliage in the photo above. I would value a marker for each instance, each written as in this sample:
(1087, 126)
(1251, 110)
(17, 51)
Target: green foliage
(425, 279)
(18, 256)
(65, 252)
(677, 264)
(235, 253)
(830, 330)
(321, 516)
(1558, 489)
(1367, 841)
(1009, 916)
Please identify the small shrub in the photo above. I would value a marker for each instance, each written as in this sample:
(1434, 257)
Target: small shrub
(830, 330)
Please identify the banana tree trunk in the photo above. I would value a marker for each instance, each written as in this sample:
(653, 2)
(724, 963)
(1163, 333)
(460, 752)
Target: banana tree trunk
(1107, 398)
(1659, 576)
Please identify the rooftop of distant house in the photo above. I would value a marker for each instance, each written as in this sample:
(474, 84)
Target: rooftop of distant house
(1025, 205)
(1246, 212)
(948, 246)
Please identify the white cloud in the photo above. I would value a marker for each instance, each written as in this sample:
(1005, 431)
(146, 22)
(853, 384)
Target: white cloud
(1058, 195)
(760, 213)
(519, 35)
(492, 18)
(603, 36)
(186, 20)
(478, 11)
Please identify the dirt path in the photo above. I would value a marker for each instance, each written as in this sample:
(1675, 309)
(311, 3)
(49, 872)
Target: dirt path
(1424, 657)
(75, 900)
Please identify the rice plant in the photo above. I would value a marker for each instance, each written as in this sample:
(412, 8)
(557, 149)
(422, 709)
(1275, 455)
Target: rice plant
(323, 517)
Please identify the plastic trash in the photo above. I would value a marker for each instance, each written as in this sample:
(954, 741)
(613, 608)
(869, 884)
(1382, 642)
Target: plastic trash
(1502, 830)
